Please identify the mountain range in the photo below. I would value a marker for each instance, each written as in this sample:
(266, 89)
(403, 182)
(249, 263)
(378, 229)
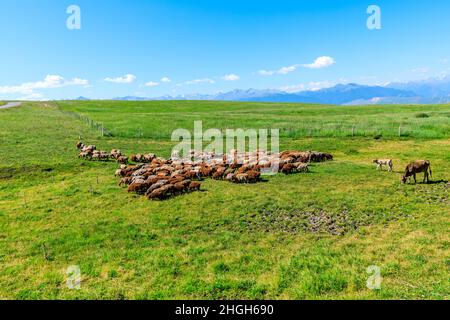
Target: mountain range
(417, 92)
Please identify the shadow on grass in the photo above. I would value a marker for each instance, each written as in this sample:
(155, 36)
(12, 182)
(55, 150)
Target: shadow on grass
(437, 182)
(429, 182)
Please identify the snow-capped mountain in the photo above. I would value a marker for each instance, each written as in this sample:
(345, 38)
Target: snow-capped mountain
(417, 92)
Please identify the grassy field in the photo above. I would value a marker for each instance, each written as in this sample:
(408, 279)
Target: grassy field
(157, 119)
(301, 236)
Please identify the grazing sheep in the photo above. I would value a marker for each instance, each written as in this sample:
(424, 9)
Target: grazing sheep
(104, 155)
(156, 194)
(217, 175)
(125, 181)
(90, 148)
(149, 157)
(139, 172)
(253, 176)
(205, 171)
(240, 178)
(133, 158)
(192, 174)
(138, 158)
(194, 186)
(122, 160)
(139, 186)
(166, 189)
(156, 185)
(84, 155)
(315, 156)
(115, 153)
(287, 168)
(301, 167)
(119, 173)
(159, 178)
(179, 187)
(95, 156)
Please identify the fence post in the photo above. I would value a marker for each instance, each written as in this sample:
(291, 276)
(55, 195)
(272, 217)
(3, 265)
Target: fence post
(399, 130)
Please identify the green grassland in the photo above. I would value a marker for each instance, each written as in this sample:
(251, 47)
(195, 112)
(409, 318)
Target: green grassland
(157, 119)
(303, 236)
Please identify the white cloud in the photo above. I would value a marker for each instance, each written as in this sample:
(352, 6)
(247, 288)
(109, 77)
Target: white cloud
(151, 84)
(231, 77)
(128, 78)
(421, 70)
(198, 81)
(165, 79)
(286, 70)
(310, 86)
(266, 72)
(293, 88)
(79, 82)
(33, 97)
(320, 62)
(49, 82)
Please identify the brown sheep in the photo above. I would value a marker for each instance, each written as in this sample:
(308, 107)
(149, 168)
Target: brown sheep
(194, 186)
(240, 178)
(119, 173)
(253, 176)
(217, 175)
(166, 190)
(301, 167)
(122, 160)
(229, 176)
(156, 194)
(90, 148)
(125, 181)
(205, 171)
(192, 174)
(139, 187)
(161, 193)
(149, 157)
(156, 185)
(155, 179)
(179, 187)
(104, 156)
(287, 168)
(84, 155)
(115, 153)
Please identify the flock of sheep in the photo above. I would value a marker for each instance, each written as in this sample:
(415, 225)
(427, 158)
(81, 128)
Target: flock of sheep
(159, 178)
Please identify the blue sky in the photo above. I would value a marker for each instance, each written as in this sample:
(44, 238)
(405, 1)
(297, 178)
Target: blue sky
(154, 48)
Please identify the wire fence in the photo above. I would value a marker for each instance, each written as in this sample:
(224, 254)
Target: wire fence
(91, 123)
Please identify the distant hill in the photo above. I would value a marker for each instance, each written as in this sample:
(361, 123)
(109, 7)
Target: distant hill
(419, 92)
(340, 94)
